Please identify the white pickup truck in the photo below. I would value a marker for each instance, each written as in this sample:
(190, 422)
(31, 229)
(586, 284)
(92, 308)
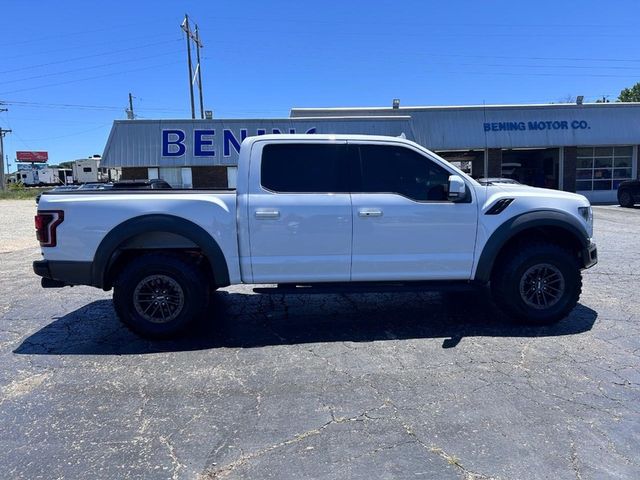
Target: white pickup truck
(328, 211)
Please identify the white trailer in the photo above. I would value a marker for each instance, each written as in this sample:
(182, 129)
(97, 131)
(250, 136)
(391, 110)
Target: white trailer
(28, 176)
(52, 176)
(86, 170)
(48, 176)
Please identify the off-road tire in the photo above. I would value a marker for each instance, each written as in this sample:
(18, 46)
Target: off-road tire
(625, 199)
(514, 273)
(178, 287)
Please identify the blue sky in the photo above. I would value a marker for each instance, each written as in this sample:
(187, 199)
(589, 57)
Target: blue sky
(66, 67)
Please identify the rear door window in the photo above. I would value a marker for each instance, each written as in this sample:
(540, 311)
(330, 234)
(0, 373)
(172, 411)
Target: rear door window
(305, 168)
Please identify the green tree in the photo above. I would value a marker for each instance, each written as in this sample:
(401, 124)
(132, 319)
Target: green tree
(631, 94)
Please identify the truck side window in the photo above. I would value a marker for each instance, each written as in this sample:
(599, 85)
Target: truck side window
(389, 169)
(304, 168)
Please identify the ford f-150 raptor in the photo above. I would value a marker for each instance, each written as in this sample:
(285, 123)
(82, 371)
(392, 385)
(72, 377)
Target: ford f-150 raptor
(331, 211)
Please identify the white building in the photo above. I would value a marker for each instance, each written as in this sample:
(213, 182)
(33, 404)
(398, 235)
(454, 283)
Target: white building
(586, 148)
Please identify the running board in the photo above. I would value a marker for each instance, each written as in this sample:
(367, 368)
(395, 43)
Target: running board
(368, 287)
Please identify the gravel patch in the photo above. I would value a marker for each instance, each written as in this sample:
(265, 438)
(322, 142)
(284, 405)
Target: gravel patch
(17, 230)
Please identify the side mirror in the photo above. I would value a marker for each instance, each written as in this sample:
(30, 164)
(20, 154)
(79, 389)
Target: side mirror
(457, 188)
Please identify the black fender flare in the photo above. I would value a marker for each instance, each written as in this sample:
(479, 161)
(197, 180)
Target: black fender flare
(519, 223)
(128, 229)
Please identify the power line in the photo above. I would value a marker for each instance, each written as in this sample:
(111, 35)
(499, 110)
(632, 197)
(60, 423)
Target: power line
(16, 135)
(111, 52)
(577, 59)
(82, 69)
(581, 67)
(82, 46)
(413, 54)
(62, 122)
(411, 60)
(529, 74)
(85, 32)
(87, 107)
(69, 134)
(282, 17)
(89, 78)
(435, 29)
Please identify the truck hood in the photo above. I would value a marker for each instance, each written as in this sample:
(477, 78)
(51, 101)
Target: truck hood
(527, 191)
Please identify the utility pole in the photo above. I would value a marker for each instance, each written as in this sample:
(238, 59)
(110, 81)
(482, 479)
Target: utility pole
(185, 27)
(130, 114)
(2, 134)
(2, 180)
(199, 68)
(195, 76)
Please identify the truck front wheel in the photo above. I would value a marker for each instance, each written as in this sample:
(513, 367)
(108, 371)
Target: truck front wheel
(160, 295)
(538, 283)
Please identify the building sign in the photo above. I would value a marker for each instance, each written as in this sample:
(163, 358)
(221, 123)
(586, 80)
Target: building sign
(536, 125)
(199, 143)
(175, 142)
(39, 157)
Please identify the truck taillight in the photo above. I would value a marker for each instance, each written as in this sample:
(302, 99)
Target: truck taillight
(46, 223)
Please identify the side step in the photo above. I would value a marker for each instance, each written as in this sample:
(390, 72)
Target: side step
(368, 287)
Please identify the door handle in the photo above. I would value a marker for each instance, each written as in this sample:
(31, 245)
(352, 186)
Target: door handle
(369, 212)
(267, 214)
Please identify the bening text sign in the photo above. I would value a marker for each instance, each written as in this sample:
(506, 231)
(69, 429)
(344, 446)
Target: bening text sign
(536, 125)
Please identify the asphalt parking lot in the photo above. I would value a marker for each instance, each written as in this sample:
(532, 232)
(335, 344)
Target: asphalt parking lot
(377, 386)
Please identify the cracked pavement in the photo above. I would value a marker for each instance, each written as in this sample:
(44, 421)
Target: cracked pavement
(423, 385)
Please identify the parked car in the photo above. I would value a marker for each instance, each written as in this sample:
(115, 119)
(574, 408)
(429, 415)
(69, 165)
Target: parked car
(95, 186)
(629, 193)
(153, 184)
(64, 188)
(498, 181)
(335, 212)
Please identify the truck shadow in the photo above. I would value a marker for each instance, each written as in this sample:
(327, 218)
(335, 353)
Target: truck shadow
(250, 321)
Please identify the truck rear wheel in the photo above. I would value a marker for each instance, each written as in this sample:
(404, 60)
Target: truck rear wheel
(540, 283)
(160, 295)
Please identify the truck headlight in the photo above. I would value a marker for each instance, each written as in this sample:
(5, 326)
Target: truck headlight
(587, 214)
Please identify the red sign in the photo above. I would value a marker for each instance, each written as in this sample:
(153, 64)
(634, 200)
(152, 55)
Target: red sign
(32, 156)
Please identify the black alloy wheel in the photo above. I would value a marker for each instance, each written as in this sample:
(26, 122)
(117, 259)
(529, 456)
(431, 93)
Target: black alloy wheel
(159, 295)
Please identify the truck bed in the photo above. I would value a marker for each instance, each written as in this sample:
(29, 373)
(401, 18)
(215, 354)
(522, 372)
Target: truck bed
(89, 216)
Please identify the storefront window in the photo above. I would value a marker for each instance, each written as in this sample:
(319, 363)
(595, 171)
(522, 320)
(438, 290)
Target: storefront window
(603, 168)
